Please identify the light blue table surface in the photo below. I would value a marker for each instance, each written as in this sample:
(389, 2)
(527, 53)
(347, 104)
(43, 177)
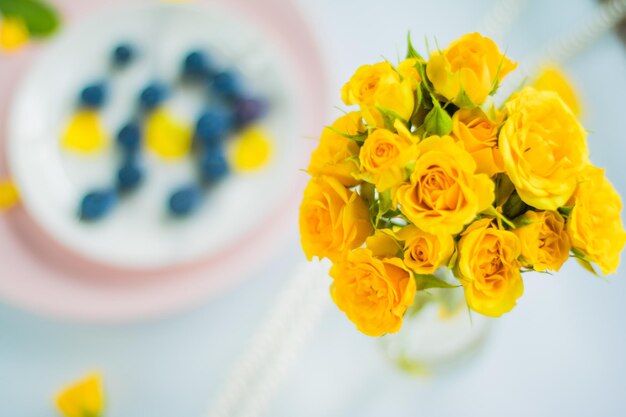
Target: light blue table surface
(560, 352)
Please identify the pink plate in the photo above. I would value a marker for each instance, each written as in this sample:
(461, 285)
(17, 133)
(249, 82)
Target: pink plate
(41, 275)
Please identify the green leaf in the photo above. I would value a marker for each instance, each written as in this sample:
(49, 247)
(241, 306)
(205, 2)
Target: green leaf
(385, 204)
(514, 206)
(565, 210)
(425, 282)
(368, 192)
(587, 265)
(504, 188)
(359, 138)
(438, 121)
(389, 117)
(40, 18)
(411, 52)
(463, 100)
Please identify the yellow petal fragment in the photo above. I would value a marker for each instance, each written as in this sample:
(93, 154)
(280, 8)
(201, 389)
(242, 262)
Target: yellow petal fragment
(84, 133)
(167, 137)
(84, 398)
(9, 195)
(252, 150)
(554, 79)
(13, 34)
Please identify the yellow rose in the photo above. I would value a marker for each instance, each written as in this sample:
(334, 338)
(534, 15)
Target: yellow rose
(385, 155)
(594, 224)
(334, 156)
(488, 268)
(553, 79)
(333, 219)
(374, 292)
(425, 252)
(545, 243)
(444, 193)
(543, 147)
(379, 85)
(468, 70)
(479, 137)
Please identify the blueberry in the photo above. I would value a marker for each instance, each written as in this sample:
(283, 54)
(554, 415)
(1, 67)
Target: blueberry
(97, 204)
(123, 54)
(93, 95)
(129, 137)
(129, 176)
(213, 125)
(227, 84)
(185, 201)
(196, 63)
(213, 165)
(153, 95)
(248, 110)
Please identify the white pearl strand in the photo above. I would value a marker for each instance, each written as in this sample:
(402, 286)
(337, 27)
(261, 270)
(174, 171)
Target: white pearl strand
(297, 309)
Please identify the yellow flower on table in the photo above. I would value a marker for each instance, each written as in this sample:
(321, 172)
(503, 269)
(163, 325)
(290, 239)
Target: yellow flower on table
(85, 398)
(468, 70)
(545, 242)
(13, 33)
(488, 268)
(9, 195)
(335, 155)
(544, 148)
(333, 219)
(385, 155)
(373, 292)
(594, 224)
(444, 193)
(380, 85)
(425, 252)
(479, 137)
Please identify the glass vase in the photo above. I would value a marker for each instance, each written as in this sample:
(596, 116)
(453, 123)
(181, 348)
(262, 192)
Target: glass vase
(439, 333)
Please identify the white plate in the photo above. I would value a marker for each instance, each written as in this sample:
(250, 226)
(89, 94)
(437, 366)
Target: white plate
(138, 234)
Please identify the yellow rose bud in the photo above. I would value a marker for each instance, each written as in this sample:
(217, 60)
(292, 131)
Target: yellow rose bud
(335, 155)
(379, 85)
(425, 252)
(408, 71)
(544, 240)
(543, 147)
(479, 137)
(488, 268)
(594, 224)
(385, 155)
(444, 192)
(468, 70)
(333, 219)
(553, 79)
(373, 292)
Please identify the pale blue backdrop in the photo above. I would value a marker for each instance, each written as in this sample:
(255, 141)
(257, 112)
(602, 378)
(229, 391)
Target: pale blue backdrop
(561, 352)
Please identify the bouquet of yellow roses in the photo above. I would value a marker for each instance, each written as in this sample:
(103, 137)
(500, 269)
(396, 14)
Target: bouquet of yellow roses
(429, 173)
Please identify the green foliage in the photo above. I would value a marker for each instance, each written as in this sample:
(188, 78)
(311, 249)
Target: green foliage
(358, 138)
(514, 206)
(425, 282)
(438, 121)
(411, 52)
(40, 18)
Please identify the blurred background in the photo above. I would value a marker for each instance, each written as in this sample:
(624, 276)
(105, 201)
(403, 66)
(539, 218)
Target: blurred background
(561, 351)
